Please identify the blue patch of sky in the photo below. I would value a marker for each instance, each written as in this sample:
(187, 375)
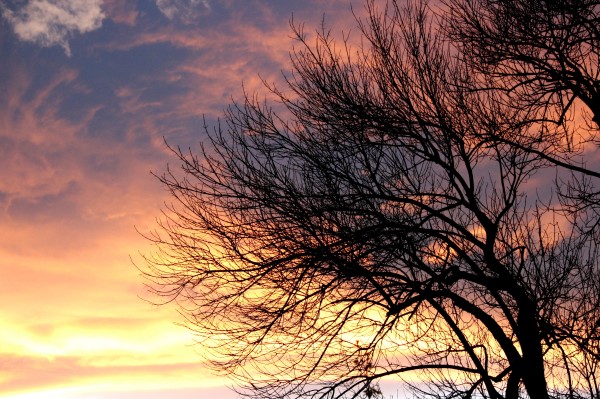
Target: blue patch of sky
(140, 69)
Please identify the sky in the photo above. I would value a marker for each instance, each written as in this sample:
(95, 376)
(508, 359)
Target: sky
(90, 90)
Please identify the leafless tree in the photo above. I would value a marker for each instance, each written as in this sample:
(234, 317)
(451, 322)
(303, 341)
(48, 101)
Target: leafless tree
(544, 55)
(547, 51)
(383, 219)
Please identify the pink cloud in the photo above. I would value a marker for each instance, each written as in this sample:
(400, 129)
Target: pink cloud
(122, 12)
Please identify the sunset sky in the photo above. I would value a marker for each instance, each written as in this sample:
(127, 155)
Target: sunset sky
(89, 88)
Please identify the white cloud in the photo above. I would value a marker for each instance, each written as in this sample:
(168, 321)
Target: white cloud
(53, 22)
(184, 10)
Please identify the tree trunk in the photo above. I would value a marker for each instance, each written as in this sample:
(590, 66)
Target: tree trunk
(532, 367)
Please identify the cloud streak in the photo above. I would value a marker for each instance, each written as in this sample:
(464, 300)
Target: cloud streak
(53, 22)
(56, 372)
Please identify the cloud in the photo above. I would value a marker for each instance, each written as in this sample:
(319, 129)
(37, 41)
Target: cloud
(17, 373)
(185, 11)
(122, 12)
(53, 22)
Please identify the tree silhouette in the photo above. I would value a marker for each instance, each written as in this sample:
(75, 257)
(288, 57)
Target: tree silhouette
(393, 214)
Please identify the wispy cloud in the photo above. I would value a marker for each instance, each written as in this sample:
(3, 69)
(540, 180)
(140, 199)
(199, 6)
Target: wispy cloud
(185, 11)
(53, 22)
